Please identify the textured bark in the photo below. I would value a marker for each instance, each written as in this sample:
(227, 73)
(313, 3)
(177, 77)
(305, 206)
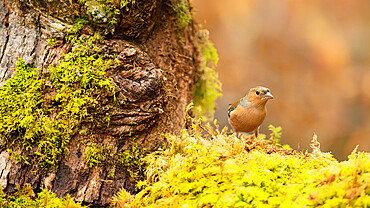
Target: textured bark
(153, 86)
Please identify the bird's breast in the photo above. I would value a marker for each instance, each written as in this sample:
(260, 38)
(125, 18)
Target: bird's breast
(246, 119)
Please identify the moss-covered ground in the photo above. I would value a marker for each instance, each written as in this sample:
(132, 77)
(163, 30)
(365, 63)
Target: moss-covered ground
(207, 167)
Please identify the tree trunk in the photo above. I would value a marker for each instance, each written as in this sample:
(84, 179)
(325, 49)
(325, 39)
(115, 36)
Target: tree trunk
(158, 60)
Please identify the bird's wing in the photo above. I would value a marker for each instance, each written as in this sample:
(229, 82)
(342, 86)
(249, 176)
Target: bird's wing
(232, 107)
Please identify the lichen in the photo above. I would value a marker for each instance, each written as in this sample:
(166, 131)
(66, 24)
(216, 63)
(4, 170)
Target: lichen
(96, 11)
(108, 15)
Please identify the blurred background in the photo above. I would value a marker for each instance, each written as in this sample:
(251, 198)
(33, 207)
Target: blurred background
(313, 55)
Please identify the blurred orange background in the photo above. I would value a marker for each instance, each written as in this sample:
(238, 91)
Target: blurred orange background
(313, 55)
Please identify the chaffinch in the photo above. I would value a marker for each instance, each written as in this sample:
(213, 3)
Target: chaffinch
(248, 113)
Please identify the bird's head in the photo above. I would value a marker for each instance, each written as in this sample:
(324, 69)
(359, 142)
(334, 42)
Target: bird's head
(259, 94)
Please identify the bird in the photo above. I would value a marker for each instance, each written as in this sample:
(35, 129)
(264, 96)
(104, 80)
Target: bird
(247, 114)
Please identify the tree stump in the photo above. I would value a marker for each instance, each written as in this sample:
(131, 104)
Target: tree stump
(158, 59)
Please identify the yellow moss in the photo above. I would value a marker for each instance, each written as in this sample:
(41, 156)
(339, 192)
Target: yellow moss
(206, 167)
(25, 197)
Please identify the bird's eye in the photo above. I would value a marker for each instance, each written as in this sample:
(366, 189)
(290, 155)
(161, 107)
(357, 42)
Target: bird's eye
(258, 92)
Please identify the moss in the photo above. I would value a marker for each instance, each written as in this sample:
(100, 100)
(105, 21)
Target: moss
(52, 41)
(112, 172)
(122, 198)
(132, 160)
(129, 159)
(25, 197)
(74, 30)
(275, 134)
(206, 167)
(95, 154)
(182, 11)
(41, 112)
(207, 88)
(113, 12)
(135, 16)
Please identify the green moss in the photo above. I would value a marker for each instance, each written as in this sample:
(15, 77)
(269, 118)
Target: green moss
(95, 154)
(124, 3)
(182, 11)
(41, 112)
(112, 10)
(52, 41)
(25, 197)
(112, 172)
(74, 30)
(131, 160)
(207, 88)
(224, 171)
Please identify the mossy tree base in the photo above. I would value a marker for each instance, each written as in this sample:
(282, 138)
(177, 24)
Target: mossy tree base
(154, 64)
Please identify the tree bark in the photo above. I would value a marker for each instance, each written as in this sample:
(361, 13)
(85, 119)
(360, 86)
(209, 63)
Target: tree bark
(153, 84)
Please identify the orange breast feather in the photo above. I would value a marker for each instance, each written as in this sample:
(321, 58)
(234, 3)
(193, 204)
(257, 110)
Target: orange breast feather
(246, 119)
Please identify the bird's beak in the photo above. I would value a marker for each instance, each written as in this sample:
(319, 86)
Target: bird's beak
(268, 95)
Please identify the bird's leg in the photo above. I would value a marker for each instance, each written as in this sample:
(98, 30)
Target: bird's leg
(257, 132)
(237, 135)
